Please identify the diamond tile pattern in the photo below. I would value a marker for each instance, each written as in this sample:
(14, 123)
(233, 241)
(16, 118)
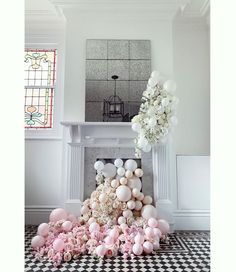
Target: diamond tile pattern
(185, 252)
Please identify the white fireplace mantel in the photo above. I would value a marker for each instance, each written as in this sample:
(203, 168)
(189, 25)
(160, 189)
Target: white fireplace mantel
(79, 135)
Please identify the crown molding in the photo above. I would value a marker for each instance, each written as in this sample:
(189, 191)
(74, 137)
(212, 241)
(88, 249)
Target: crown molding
(197, 12)
(156, 9)
(205, 8)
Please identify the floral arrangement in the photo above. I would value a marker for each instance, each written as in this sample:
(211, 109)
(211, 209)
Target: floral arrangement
(117, 219)
(156, 115)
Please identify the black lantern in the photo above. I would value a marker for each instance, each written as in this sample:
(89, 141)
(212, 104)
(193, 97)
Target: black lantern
(113, 107)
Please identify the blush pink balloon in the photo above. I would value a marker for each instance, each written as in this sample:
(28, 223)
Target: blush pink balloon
(58, 245)
(67, 225)
(94, 227)
(43, 229)
(149, 232)
(164, 226)
(137, 249)
(157, 232)
(147, 247)
(37, 241)
(109, 240)
(156, 245)
(58, 214)
(139, 239)
(101, 250)
(114, 233)
(71, 217)
(152, 222)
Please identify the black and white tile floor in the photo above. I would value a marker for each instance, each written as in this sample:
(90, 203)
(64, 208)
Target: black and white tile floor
(186, 252)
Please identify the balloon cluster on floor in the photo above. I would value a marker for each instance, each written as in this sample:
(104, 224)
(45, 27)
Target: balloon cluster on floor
(117, 219)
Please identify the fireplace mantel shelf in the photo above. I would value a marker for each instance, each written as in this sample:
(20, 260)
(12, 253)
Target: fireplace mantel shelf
(100, 133)
(75, 123)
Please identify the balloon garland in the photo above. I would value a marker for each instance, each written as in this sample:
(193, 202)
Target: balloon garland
(156, 116)
(117, 219)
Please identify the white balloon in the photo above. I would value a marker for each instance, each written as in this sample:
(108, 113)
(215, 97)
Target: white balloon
(147, 200)
(142, 142)
(109, 170)
(131, 165)
(121, 220)
(98, 165)
(127, 213)
(138, 205)
(170, 86)
(138, 172)
(135, 192)
(131, 204)
(147, 148)
(135, 182)
(114, 183)
(118, 163)
(152, 82)
(136, 127)
(155, 74)
(174, 120)
(129, 174)
(123, 181)
(123, 193)
(121, 171)
(149, 211)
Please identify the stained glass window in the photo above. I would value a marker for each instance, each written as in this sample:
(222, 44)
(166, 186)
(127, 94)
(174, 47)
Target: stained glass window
(40, 77)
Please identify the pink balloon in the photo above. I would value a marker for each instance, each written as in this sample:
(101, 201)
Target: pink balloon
(67, 225)
(137, 249)
(71, 217)
(139, 239)
(114, 233)
(156, 245)
(152, 222)
(101, 250)
(109, 240)
(94, 227)
(164, 226)
(43, 229)
(157, 232)
(149, 232)
(58, 214)
(58, 245)
(147, 247)
(37, 241)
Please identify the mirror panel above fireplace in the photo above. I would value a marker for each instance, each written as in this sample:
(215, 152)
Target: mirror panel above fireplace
(130, 60)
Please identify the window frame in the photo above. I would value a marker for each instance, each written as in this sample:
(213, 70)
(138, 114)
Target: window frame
(56, 131)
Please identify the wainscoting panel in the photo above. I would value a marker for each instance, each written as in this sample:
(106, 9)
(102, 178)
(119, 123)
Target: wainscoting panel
(193, 192)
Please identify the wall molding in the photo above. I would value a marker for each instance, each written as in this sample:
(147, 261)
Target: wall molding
(192, 219)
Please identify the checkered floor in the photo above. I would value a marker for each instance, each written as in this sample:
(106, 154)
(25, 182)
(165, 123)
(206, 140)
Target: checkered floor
(185, 252)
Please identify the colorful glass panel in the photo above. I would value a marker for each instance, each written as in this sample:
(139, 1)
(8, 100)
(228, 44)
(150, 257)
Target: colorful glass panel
(40, 77)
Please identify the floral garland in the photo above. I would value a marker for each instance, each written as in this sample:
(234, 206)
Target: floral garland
(156, 115)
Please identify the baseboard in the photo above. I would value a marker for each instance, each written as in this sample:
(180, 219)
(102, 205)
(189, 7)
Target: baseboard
(192, 219)
(34, 215)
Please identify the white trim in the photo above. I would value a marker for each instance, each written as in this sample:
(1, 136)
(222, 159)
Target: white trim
(46, 138)
(192, 219)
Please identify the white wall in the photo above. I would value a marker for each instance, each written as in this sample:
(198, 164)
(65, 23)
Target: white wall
(192, 74)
